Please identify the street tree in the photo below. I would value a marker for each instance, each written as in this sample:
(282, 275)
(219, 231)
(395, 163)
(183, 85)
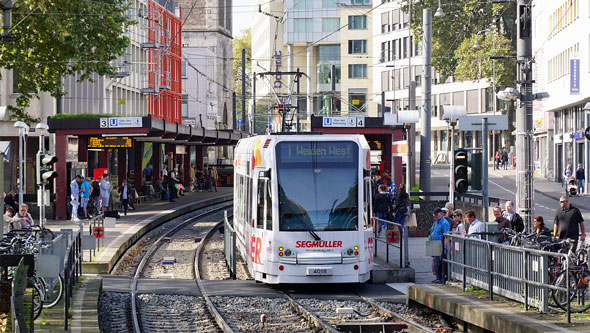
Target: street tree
(239, 43)
(474, 64)
(59, 38)
(462, 19)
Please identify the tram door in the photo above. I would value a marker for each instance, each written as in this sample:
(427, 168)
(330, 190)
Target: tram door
(263, 215)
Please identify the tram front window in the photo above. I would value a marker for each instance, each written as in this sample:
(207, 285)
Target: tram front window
(318, 185)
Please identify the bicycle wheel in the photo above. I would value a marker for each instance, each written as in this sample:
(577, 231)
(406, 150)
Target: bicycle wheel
(579, 295)
(53, 293)
(37, 290)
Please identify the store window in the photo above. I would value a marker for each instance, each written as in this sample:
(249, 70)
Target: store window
(357, 101)
(325, 73)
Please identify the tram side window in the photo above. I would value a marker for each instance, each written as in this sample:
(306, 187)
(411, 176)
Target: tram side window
(366, 203)
(268, 206)
(260, 216)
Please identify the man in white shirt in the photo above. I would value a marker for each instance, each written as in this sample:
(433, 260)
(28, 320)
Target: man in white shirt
(75, 194)
(475, 225)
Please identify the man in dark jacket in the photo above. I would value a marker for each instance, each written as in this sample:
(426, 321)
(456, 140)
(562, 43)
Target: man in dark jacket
(95, 193)
(503, 223)
(400, 207)
(381, 205)
(516, 223)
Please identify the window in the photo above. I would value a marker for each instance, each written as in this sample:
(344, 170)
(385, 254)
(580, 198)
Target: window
(397, 76)
(302, 25)
(330, 24)
(385, 22)
(357, 101)
(361, 2)
(328, 3)
(329, 52)
(15, 80)
(394, 49)
(184, 106)
(325, 73)
(472, 101)
(395, 19)
(357, 46)
(405, 47)
(183, 64)
(357, 71)
(384, 52)
(385, 81)
(406, 77)
(357, 22)
(458, 98)
(406, 19)
(303, 4)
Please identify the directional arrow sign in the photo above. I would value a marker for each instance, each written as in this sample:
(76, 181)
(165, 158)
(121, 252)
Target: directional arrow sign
(473, 122)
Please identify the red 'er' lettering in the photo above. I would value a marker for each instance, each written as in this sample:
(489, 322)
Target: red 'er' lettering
(256, 247)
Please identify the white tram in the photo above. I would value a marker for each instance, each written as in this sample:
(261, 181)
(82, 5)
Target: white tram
(302, 208)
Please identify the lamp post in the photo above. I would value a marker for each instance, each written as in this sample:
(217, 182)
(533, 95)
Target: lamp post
(22, 129)
(586, 151)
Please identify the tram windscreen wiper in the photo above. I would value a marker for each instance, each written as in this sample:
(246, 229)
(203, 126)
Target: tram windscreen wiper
(303, 221)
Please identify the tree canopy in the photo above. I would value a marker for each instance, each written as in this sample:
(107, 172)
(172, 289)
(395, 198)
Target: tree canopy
(463, 19)
(242, 42)
(59, 38)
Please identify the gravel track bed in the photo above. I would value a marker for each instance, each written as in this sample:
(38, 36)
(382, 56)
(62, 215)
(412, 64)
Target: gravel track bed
(326, 310)
(174, 313)
(212, 264)
(114, 311)
(127, 265)
(421, 315)
(243, 314)
(182, 247)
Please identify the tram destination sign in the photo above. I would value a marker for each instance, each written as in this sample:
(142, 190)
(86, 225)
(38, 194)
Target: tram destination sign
(110, 142)
(305, 152)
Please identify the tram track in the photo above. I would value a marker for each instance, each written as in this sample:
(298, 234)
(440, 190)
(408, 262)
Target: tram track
(134, 311)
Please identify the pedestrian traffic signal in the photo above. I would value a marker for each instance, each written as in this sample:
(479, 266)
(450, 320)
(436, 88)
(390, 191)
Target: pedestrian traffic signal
(460, 172)
(476, 172)
(44, 168)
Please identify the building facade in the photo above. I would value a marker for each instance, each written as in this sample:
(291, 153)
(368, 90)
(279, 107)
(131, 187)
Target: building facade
(330, 42)
(561, 47)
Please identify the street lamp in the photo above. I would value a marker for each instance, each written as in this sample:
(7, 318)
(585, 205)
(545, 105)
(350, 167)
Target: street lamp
(439, 12)
(22, 129)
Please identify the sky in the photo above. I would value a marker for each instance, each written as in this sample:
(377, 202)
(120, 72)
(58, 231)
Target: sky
(243, 11)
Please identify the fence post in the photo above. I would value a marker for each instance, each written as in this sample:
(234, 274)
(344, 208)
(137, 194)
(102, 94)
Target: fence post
(401, 247)
(19, 284)
(526, 276)
(464, 268)
(490, 270)
(567, 278)
(375, 236)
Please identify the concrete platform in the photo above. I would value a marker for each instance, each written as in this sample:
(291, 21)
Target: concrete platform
(494, 316)
(132, 227)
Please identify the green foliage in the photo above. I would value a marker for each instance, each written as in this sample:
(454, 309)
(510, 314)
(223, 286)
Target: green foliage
(462, 19)
(415, 188)
(59, 38)
(242, 42)
(82, 116)
(474, 63)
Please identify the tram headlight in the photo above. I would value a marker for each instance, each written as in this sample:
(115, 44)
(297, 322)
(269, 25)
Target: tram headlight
(288, 252)
(349, 252)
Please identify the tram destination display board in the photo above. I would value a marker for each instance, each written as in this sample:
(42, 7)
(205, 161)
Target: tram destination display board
(110, 142)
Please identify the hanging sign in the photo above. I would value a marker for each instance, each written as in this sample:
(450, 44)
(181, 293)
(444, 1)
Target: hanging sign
(110, 142)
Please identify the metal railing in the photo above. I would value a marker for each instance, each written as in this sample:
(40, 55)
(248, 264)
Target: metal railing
(473, 198)
(229, 245)
(517, 273)
(404, 260)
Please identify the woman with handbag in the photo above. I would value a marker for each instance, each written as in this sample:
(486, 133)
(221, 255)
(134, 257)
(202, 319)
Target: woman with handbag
(439, 228)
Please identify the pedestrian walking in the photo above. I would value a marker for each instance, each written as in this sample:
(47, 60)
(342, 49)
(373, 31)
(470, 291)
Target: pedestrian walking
(148, 172)
(567, 173)
(580, 178)
(164, 171)
(568, 222)
(105, 192)
(381, 206)
(212, 172)
(124, 191)
(475, 225)
(497, 160)
(516, 222)
(400, 207)
(85, 190)
(505, 159)
(193, 177)
(74, 196)
(95, 194)
(439, 228)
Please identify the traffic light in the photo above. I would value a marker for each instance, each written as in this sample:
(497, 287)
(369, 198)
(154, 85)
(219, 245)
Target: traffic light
(461, 182)
(44, 168)
(476, 171)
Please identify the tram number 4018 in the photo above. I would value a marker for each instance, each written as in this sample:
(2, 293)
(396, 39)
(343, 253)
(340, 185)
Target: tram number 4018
(319, 270)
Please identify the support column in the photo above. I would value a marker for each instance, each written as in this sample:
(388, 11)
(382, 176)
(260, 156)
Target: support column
(199, 157)
(138, 165)
(61, 182)
(156, 161)
(425, 144)
(397, 177)
(186, 162)
(82, 149)
(309, 99)
(290, 67)
(121, 164)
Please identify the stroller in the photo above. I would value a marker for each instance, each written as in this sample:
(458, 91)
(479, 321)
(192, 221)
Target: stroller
(572, 186)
